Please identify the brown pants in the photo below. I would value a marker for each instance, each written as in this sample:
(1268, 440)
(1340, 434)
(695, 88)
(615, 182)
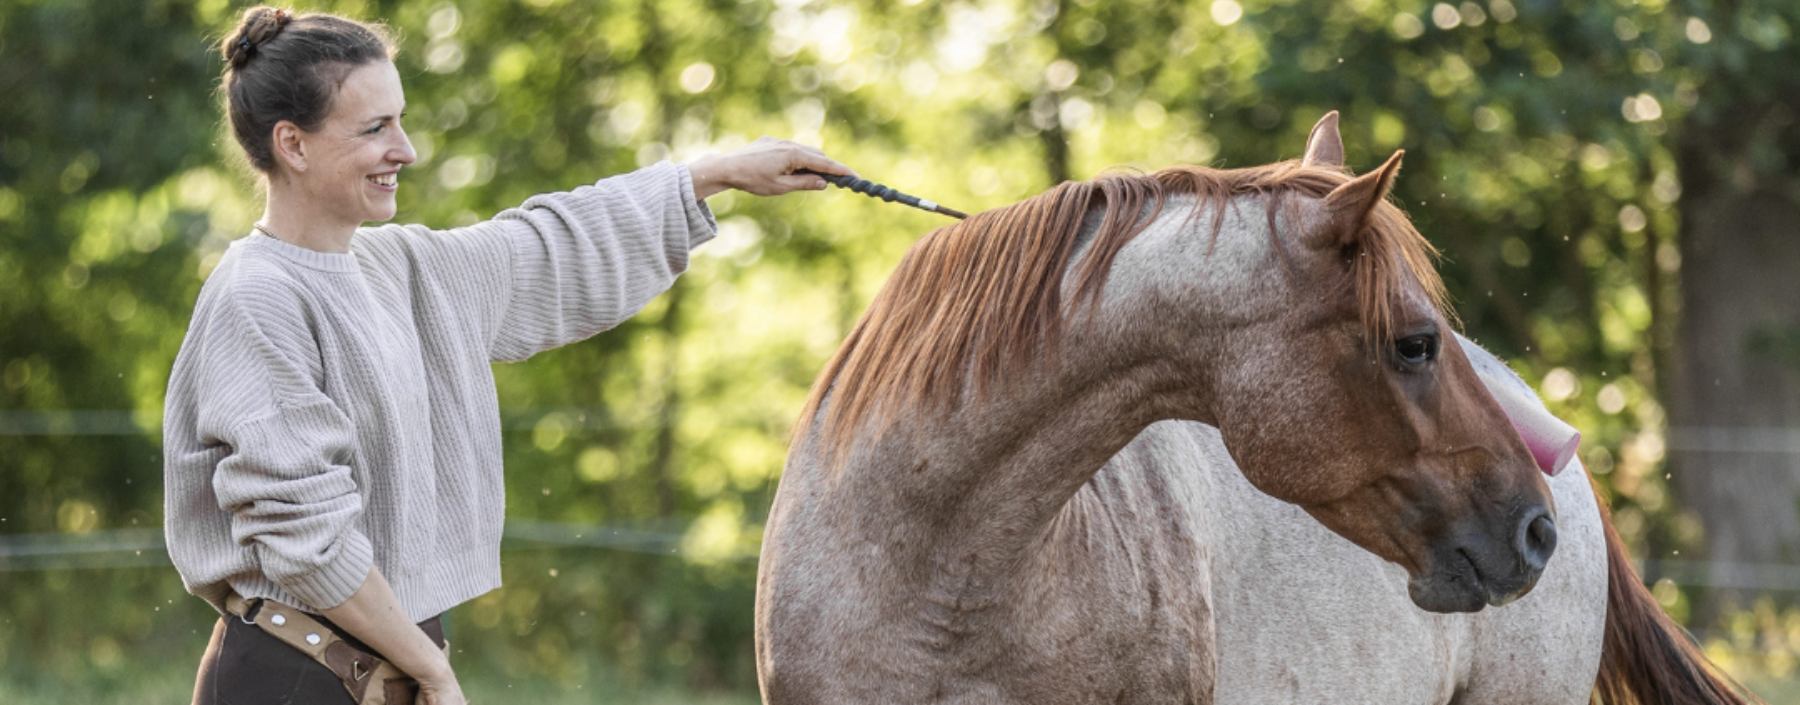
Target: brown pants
(245, 665)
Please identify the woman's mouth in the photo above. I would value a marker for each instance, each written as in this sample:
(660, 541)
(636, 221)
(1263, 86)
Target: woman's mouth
(388, 181)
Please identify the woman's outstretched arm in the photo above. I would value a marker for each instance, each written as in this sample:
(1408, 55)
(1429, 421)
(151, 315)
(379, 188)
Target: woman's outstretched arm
(564, 266)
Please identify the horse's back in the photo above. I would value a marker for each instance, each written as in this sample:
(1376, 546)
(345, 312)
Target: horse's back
(1303, 615)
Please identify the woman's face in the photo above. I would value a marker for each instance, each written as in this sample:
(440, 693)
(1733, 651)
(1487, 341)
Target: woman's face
(353, 161)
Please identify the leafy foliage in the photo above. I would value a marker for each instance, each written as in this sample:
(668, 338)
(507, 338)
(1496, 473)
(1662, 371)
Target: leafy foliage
(1542, 158)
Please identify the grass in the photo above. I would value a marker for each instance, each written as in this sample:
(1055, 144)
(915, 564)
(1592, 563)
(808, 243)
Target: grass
(176, 685)
(1774, 691)
(173, 683)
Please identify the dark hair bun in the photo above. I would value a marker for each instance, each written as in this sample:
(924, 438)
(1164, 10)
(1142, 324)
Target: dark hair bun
(286, 67)
(260, 24)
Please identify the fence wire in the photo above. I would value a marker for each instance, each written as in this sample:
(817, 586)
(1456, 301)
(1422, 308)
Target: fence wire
(1781, 440)
(135, 548)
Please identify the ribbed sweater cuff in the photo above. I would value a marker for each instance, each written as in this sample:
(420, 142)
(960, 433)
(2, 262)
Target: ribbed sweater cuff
(702, 225)
(337, 579)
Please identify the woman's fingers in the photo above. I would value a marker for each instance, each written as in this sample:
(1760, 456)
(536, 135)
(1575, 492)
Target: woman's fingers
(777, 184)
(817, 161)
(793, 156)
(799, 182)
(778, 169)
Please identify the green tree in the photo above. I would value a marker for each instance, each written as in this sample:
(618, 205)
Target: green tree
(1590, 170)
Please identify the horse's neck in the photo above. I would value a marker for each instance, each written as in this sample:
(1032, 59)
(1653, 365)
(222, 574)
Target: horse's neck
(979, 485)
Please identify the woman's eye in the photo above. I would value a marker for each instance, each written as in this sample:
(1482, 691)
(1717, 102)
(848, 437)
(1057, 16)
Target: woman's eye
(1416, 349)
(383, 124)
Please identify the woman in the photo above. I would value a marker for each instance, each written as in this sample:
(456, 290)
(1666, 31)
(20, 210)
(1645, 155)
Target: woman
(332, 443)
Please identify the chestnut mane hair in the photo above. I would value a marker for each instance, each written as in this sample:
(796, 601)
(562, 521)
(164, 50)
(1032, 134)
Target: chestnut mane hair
(974, 300)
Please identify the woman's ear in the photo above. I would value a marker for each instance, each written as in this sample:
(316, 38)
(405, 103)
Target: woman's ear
(289, 145)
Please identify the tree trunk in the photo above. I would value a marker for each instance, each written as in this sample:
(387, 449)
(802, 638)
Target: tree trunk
(1734, 401)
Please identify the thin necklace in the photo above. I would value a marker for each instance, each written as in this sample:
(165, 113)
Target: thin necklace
(258, 227)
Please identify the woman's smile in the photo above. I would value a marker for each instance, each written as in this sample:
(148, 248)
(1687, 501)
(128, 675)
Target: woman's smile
(388, 182)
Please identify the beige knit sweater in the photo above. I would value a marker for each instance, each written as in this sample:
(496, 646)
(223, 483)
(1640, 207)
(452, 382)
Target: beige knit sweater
(332, 412)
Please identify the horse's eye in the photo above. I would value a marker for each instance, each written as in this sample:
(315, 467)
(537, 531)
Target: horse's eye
(1416, 349)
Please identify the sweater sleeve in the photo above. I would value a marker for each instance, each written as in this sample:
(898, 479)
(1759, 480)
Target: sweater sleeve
(285, 478)
(562, 266)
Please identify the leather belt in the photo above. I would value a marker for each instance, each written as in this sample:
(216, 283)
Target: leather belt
(357, 668)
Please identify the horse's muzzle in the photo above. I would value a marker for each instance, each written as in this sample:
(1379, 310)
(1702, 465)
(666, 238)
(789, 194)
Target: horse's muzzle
(1474, 570)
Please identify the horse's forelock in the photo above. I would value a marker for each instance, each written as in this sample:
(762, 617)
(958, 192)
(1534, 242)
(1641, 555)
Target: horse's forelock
(1397, 258)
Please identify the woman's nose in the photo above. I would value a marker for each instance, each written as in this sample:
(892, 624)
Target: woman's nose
(404, 153)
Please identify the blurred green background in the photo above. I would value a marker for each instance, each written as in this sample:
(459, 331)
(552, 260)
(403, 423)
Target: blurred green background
(1613, 183)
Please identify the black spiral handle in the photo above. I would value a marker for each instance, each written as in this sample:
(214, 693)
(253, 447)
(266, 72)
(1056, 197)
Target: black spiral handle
(885, 193)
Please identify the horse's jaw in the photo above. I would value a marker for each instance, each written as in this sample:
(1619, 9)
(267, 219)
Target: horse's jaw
(1460, 589)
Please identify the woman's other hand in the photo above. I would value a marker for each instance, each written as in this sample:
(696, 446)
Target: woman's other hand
(441, 689)
(766, 168)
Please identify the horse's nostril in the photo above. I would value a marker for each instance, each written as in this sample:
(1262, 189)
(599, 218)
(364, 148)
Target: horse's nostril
(1537, 539)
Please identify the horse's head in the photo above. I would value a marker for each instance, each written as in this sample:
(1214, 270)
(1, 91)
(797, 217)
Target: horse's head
(1354, 401)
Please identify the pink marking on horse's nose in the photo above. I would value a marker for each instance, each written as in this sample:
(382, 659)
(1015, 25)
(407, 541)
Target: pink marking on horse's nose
(1551, 441)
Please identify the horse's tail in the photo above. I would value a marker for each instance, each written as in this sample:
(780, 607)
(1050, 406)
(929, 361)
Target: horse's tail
(1646, 658)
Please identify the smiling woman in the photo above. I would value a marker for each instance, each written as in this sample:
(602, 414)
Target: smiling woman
(331, 440)
(351, 163)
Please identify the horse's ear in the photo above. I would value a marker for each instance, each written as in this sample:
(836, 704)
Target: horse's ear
(1324, 147)
(1347, 207)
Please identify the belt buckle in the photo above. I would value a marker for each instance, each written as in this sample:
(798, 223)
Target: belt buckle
(251, 608)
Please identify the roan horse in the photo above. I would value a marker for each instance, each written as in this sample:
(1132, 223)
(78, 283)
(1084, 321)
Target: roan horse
(943, 533)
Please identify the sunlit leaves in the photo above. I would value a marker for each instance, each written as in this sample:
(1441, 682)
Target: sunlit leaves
(1540, 142)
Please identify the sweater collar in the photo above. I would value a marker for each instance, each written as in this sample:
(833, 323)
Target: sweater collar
(313, 259)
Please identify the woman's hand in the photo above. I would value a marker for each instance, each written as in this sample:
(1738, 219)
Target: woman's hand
(766, 168)
(441, 689)
(373, 615)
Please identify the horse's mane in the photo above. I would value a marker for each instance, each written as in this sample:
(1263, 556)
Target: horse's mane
(974, 299)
